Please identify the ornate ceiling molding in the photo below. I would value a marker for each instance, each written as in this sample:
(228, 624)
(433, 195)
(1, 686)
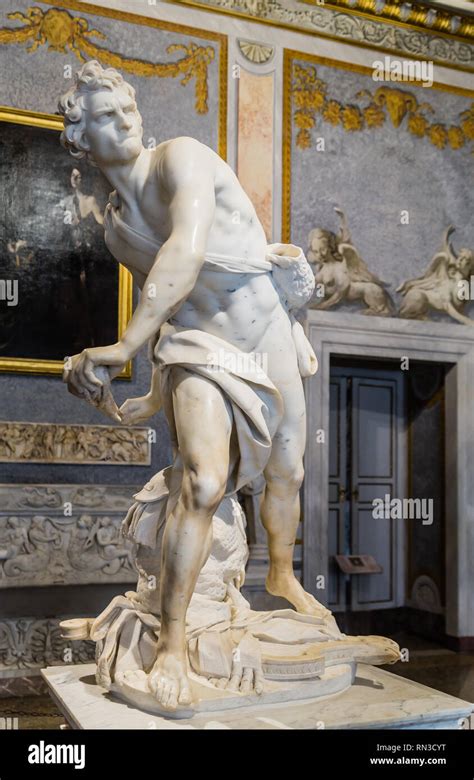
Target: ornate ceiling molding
(417, 14)
(411, 30)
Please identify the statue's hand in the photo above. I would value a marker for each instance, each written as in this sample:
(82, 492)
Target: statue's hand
(79, 369)
(136, 410)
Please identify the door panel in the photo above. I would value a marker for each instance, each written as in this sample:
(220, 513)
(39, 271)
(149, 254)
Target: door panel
(373, 538)
(373, 403)
(374, 450)
(368, 406)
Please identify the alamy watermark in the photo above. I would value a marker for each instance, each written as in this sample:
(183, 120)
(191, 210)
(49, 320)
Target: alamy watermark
(388, 508)
(45, 753)
(238, 363)
(9, 291)
(390, 69)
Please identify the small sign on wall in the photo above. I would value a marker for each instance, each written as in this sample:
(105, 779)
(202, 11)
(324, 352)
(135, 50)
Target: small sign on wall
(358, 564)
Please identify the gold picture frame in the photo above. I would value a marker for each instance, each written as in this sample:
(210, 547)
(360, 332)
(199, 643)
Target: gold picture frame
(125, 282)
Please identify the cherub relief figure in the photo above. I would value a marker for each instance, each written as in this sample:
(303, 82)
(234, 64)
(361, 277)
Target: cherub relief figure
(343, 273)
(441, 286)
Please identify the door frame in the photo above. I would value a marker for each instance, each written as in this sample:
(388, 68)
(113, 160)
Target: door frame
(353, 335)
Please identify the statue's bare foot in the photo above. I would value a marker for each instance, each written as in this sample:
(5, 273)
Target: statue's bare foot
(168, 680)
(288, 587)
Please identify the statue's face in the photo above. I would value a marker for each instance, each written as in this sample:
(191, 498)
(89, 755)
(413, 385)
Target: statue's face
(113, 127)
(320, 248)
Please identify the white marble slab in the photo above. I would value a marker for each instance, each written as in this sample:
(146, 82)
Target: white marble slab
(378, 699)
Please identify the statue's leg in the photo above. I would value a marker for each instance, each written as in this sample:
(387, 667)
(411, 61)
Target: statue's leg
(203, 425)
(280, 508)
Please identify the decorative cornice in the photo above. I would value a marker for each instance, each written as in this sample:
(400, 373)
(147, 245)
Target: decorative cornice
(419, 15)
(427, 33)
(117, 445)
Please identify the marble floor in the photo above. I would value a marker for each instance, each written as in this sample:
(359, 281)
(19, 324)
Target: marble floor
(436, 666)
(33, 712)
(428, 663)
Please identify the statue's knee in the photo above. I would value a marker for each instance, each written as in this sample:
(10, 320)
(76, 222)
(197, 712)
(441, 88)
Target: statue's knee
(285, 480)
(203, 489)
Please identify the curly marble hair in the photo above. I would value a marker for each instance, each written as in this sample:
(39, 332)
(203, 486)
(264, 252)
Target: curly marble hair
(90, 78)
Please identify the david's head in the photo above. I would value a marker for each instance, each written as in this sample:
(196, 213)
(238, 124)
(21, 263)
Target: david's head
(101, 120)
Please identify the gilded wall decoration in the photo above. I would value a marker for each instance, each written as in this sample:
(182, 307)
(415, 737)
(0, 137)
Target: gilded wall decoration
(62, 32)
(444, 287)
(63, 535)
(342, 275)
(23, 442)
(370, 110)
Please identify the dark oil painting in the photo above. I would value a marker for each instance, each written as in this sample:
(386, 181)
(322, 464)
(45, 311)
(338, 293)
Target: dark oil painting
(51, 243)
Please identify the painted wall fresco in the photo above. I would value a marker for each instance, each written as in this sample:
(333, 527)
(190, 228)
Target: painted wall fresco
(397, 161)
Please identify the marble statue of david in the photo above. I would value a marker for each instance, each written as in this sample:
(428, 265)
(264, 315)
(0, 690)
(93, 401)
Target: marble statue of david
(216, 305)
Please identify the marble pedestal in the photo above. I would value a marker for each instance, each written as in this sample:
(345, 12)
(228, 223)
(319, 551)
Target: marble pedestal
(377, 699)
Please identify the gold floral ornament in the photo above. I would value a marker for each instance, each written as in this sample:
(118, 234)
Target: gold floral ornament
(438, 136)
(332, 112)
(417, 124)
(467, 124)
(310, 97)
(374, 116)
(61, 31)
(455, 137)
(352, 119)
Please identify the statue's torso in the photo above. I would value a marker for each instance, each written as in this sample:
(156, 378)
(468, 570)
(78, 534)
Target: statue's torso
(235, 306)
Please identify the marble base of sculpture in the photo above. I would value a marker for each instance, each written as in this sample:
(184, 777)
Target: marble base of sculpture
(295, 656)
(377, 699)
(133, 689)
(308, 672)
